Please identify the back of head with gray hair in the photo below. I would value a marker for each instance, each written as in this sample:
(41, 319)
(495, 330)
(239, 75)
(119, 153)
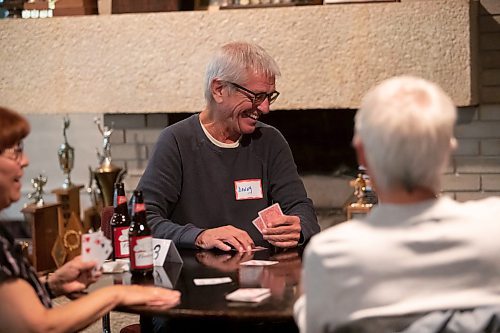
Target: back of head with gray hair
(406, 127)
(234, 60)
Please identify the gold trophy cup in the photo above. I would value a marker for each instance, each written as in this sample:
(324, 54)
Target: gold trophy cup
(106, 174)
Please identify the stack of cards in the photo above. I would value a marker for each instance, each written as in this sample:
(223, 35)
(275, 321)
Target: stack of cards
(266, 215)
(95, 247)
(252, 295)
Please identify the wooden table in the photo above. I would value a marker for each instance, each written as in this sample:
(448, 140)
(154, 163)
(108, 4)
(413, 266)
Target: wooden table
(205, 307)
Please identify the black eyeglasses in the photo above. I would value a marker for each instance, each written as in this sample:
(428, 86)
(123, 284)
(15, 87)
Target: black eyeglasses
(257, 98)
(14, 153)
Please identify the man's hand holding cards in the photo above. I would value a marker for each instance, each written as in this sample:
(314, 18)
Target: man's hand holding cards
(95, 247)
(277, 228)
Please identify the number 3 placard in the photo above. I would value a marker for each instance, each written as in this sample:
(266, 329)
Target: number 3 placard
(165, 251)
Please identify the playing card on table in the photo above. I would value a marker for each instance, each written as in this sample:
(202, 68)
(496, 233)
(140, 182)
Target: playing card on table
(249, 295)
(211, 281)
(270, 213)
(258, 263)
(95, 247)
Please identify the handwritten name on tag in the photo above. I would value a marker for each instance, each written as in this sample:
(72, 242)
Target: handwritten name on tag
(248, 189)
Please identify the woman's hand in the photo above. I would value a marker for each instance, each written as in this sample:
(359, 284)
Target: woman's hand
(74, 276)
(156, 297)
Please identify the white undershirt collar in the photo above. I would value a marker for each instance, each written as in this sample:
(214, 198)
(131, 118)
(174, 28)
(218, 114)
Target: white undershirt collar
(217, 142)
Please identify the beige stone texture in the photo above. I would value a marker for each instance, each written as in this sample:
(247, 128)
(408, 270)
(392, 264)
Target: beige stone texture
(329, 55)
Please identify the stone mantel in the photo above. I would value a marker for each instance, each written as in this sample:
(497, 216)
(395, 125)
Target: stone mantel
(329, 55)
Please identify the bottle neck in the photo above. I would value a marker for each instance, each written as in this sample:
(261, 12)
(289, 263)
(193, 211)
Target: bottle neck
(138, 209)
(121, 208)
(120, 201)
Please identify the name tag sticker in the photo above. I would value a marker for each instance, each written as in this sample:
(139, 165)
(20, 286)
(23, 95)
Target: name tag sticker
(248, 189)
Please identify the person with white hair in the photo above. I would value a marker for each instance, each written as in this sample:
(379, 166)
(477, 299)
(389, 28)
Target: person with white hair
(416, 251)
(210, 174)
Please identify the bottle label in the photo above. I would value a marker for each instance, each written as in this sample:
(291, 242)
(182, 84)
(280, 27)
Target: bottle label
(139, 207)
(121, 199)
(141, 252)
(120, 237)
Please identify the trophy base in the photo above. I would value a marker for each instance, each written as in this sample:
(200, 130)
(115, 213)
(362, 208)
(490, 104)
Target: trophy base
(67, 185)
(44, 230)
(358, 210)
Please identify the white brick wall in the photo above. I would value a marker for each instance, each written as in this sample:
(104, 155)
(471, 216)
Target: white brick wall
(458, 182)
(476, 164)
(467, 147)
(490, 183)
(133, 139)
(474, 171)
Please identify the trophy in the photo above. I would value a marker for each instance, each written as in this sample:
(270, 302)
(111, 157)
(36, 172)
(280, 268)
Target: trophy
(66, 155)
(106, 174)
(37, 195)
(43, 221)
(364, 196)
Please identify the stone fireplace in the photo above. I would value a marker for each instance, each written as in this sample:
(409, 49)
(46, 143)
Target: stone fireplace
(114, 66)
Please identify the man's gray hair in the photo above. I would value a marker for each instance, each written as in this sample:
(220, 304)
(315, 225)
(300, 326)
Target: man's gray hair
(234, 60)
(406, 127)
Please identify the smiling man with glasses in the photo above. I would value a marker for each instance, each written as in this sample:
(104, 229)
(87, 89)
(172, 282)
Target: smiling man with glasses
(212, 173)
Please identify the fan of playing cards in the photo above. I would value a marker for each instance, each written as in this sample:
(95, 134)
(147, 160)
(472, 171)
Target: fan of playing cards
(266, 215)
(96, 247)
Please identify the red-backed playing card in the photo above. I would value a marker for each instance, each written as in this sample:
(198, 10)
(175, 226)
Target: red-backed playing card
(259, 224)
(270, 213)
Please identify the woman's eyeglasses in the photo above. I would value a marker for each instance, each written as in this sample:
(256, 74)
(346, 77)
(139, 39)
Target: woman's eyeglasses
(14, 153)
